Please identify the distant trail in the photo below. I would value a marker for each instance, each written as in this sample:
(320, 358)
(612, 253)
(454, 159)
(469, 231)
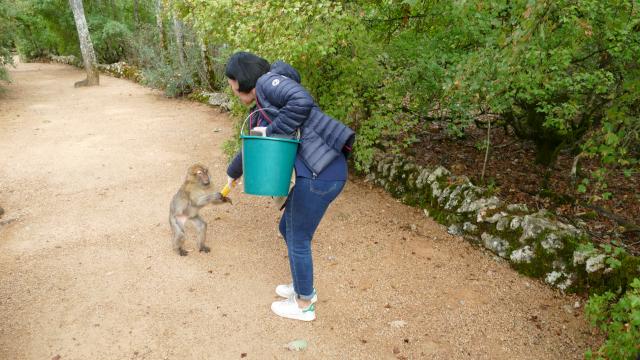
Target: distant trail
(87, 271)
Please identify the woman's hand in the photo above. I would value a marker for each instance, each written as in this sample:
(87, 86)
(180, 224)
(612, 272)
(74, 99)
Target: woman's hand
(260, 129)
(231, 183)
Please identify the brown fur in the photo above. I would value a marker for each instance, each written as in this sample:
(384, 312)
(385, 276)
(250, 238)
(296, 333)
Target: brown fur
(195, 192)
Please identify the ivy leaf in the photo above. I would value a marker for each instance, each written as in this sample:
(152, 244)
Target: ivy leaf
(613, 263)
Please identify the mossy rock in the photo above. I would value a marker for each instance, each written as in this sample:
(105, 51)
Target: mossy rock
(544, 247)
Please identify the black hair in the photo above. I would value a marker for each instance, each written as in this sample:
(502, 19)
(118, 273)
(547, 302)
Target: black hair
(246, 68)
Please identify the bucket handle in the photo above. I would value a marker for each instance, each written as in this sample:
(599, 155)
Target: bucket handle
(244, 123)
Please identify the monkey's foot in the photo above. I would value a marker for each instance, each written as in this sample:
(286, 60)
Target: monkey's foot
(204, 249)
(182, 252)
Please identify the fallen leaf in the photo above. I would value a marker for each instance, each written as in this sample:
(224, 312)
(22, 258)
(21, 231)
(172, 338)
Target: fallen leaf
(297, 345)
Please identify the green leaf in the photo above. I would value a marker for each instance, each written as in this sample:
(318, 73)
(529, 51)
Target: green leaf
(613, 263)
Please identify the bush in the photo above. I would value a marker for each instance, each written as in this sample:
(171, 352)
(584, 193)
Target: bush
(110, 40)
(45, 28)
(6, 39)
(555, 71)
(620, 320)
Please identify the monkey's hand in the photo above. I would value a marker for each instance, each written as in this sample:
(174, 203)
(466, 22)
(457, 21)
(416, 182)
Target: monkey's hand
(216, 198)
(225, 199)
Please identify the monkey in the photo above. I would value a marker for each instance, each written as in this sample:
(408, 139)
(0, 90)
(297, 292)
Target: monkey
(194, 193)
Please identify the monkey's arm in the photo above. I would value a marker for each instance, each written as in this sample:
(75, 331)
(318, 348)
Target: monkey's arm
(210, 198)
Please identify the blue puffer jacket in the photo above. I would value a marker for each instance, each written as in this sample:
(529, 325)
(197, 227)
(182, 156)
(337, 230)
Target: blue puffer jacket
(287, 106)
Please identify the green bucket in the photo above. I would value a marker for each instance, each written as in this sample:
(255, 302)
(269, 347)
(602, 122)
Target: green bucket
(267, 164)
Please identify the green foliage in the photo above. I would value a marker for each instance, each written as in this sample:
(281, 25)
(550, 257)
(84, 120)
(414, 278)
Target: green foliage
(325, 40)
(619, 318)
(110, 38)
(563, 74)
(551, 69)
(45, 27)
(6, 39)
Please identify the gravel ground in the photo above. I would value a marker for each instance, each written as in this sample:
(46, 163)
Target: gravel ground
(87, 271)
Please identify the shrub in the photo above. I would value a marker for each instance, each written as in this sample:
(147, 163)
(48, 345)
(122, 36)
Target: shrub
(619, 318)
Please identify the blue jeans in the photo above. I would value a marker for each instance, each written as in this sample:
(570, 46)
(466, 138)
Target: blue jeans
(307, 203)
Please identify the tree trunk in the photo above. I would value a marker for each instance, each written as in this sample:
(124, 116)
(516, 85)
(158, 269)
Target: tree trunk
(177, 29)
(135, 13)
(204, 74)
(159, 23)
(86, 47)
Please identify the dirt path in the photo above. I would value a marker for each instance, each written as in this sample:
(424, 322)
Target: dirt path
(86, 269)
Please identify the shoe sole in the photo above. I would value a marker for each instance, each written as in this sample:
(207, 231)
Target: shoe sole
(293, 317)
(296, 318)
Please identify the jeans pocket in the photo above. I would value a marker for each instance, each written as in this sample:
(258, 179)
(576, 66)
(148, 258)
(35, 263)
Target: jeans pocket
(327, 190)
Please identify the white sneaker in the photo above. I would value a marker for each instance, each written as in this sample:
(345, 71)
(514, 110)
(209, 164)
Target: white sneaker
(289, 309)
(286, 291)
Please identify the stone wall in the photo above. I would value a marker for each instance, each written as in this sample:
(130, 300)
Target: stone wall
(534, 242)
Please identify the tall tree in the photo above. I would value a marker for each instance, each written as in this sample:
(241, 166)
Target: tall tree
(135, 13)
(86, 47)
(159, 23)
(178, 30)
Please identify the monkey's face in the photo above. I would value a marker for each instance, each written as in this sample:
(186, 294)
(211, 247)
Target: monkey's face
(199, 173)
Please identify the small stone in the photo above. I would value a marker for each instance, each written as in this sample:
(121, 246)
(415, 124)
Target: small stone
(482, 203)
(495, 244)
(518, 208)
(398, 324)
(219, 99)
(595, 263)
(551, 242)
(515, 222)
(522, 255)
(503, 223)
(469, 227)
(437, 173)
(580, 257)
(576, 305)
(552, 277)
(495, 218)
(534, 225)
(454, 229)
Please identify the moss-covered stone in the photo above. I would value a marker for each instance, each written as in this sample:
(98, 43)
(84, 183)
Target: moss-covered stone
(536, 244)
